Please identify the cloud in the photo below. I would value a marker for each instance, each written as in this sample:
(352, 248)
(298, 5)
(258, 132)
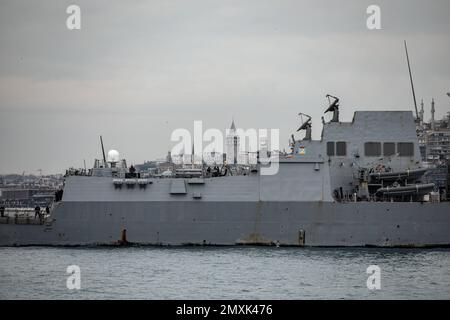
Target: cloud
(149, 63)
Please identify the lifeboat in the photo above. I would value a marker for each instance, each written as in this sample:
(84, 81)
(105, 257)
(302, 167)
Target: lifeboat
(416, 189)
(401, 175)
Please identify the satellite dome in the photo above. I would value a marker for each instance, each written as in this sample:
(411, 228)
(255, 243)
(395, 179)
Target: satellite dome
(167, 173)
(113, 156)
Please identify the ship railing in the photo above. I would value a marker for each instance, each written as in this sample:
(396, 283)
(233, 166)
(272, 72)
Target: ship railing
(23, 216)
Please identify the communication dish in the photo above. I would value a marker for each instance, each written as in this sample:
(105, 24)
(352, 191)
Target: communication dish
(333, 105)
(113, 156)
(305, 124)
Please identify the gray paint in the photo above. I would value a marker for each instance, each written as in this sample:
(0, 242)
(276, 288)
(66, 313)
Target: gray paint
(229, 223)
(253, 209)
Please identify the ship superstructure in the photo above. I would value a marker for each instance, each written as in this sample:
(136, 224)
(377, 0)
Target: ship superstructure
(360, 185)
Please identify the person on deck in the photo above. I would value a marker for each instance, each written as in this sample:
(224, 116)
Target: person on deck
(37, 212)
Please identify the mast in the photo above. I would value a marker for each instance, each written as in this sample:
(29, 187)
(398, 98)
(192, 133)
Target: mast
(411, 79)
(103, 150)
(432, 115)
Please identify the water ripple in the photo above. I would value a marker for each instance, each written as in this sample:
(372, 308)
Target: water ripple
(224, 273)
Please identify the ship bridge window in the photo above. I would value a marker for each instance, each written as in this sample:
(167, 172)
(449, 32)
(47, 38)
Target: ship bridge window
(330, 148)
(372, 149)
(405, 149)
(341, 149)
(388, 149)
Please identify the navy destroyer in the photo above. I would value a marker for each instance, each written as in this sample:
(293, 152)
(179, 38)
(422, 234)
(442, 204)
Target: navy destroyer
(359, 185)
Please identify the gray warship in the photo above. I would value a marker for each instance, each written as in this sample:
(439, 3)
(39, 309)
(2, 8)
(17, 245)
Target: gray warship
(359, 185)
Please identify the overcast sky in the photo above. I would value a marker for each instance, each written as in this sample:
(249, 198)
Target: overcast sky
(137, 70)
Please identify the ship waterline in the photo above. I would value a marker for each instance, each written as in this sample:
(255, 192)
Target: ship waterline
(231, 223)
(360, 185)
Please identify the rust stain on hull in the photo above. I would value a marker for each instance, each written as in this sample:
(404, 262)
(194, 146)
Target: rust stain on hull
(256, 239)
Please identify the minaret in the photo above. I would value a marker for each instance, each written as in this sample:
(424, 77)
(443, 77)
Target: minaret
(432, 115)
(233, 127)
(421, 113)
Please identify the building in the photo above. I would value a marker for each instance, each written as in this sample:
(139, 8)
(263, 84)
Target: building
(434, 138)
(434, 145)
(232, 145)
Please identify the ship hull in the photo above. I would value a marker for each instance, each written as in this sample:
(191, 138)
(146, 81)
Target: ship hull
(383, 224)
